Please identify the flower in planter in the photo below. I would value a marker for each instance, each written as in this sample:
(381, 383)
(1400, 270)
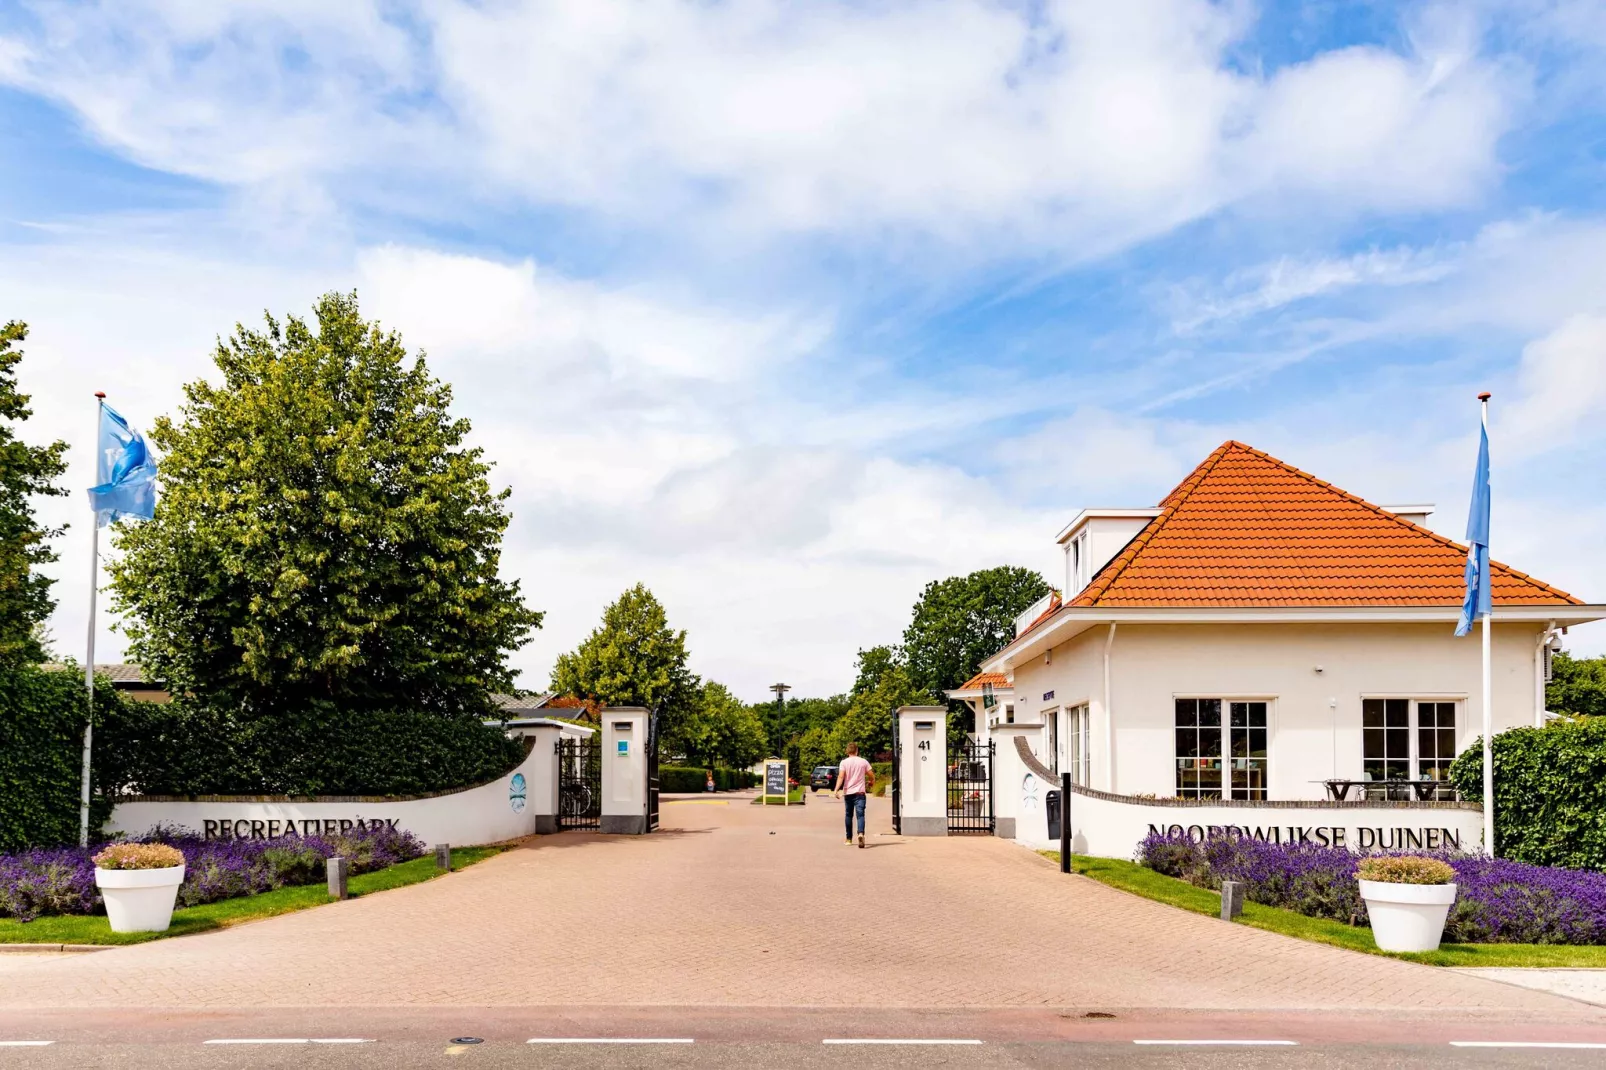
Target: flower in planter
(1405, 869)
(139, 856)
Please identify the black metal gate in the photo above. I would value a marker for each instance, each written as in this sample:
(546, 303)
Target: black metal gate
(652, 771)
(579, 783)
(970, 789)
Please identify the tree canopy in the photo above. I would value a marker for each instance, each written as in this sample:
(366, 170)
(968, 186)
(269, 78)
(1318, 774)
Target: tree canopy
(322, 532)
(961, 621)
(1577, 686)
(633, 658)
(721, 730)
(25, 471)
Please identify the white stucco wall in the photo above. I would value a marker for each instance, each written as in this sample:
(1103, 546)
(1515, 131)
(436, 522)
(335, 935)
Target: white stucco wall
(1152, 665)
(489, 813)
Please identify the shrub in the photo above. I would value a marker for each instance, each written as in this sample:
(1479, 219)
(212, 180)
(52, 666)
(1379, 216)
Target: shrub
(1174, 855)
(41, 754)
(138, 856)
(1405, 869)
(1550, 792)
(686, 778)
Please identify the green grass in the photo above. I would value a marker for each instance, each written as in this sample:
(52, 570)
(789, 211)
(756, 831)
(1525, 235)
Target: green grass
(795, 796)
(81, 929)
(1140, 880)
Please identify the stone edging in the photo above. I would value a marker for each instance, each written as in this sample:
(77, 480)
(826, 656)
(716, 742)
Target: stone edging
(1043, 771)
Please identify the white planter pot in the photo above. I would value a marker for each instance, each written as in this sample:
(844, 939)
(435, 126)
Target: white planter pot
(139, 900)
(1407, 917)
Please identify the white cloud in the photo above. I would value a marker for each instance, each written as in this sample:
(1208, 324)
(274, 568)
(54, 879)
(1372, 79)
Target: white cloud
(1058, 125)
(1562, 388)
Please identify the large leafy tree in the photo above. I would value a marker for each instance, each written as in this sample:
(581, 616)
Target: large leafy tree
(961, 621)
(721, 730)
(633, 658)
(884, 683)
(323, 536)
(25, 471)
(1577, 686)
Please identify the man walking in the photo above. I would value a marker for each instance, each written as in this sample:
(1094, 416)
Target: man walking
(854, 779)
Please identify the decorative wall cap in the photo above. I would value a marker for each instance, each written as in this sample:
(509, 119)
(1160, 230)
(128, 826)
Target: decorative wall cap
(1043, 771)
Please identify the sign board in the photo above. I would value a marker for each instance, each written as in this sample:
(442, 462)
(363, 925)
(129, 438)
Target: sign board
(776, 780)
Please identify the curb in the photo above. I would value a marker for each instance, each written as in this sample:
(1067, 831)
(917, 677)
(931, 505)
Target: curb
(25, 949)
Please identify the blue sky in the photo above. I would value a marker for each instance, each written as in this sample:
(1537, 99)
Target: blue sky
(787, 309)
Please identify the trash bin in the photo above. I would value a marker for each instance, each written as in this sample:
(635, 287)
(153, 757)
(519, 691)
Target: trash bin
(1052, 807)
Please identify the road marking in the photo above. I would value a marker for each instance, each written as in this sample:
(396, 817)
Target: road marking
(25, 1043)
(610, 1040)
(878, 1040)
(290, 1040)
(1524, 1044)
(1253, 1043)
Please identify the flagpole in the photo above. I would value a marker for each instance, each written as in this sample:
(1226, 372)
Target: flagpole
(89, 656)
(1488, 711)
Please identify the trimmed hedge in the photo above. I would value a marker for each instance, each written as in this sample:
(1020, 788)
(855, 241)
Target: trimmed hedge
(187, 748)
(41, 755)
(680, 779)
(1549, 792)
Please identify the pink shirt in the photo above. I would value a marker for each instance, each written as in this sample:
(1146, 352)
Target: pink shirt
(853, 770)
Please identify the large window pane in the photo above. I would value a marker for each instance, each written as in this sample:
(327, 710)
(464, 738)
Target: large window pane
(1209, 712)
(1216, 759)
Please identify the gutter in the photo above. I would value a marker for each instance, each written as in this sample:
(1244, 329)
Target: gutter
(1109, 714)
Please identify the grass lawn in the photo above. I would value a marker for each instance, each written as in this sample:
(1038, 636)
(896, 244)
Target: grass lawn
(1140, 880)
(793, 798)
(82, 929)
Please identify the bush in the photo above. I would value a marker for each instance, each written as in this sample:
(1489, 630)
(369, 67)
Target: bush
(188, 748)
(1550, 792)
(138, 856)
(62, 881)
(686, 778)
(41, 754)
(1405, 869)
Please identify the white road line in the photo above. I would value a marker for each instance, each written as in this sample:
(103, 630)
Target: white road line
(25, 1043)
(291, 1040)
(1225, 1043)
(1524, 1044)
(878, 1040)
(610, 1040)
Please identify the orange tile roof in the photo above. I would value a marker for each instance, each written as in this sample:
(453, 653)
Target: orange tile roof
(1245, 529)
(981, 679)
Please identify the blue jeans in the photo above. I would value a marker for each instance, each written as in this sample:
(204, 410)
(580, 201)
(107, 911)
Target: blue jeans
(853, 804)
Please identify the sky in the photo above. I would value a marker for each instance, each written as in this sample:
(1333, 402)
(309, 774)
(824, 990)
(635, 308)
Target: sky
(786, 310)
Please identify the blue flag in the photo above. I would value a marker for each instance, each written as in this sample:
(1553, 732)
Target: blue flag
(1477, 601)
(125, 472)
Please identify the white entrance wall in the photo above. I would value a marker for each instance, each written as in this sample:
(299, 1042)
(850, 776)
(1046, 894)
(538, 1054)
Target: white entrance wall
(1313, 676)
(923, 770)
(624, 771)
(1018, 793)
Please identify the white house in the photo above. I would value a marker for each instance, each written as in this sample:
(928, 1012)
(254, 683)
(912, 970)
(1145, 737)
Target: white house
(1262, 636)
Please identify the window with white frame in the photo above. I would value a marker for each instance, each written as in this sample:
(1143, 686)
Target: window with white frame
(1407, 739)
(1222, 761)
(1051, 740)
(1079, 562)
(1079, 735)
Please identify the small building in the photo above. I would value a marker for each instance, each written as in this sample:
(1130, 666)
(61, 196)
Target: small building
(126, 678)
(1262, 635)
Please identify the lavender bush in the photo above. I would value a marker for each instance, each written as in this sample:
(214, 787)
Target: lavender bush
(1497, 901)
(62, 880)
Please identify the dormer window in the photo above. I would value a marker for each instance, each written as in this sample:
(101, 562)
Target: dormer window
(1079, 562)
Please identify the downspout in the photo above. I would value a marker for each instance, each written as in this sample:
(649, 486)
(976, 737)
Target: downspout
(1109, 717)
(1539, 673)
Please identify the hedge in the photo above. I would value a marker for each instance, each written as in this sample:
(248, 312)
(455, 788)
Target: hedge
(41, 755)
(1549, 792)
(686, 778)
(188, 748)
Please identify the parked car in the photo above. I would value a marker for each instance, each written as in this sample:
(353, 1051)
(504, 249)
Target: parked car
(824, 776)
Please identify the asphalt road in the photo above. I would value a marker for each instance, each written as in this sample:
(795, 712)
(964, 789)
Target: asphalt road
(602, 1037)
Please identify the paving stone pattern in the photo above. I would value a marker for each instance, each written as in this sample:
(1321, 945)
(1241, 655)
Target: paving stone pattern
(755, 906)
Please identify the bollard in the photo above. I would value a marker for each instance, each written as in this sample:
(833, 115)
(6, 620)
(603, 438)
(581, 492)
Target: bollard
(1065, 822)
(337, 870)
(443, 856)
(1232, 899)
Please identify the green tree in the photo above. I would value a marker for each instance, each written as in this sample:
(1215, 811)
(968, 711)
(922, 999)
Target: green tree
(323, 537)
(873, 664)
(723, 731)
(634, 658)
(784, 726)
(870, 716)
(961, 621)
(1577, 686)
(25, 471)
(815, 747)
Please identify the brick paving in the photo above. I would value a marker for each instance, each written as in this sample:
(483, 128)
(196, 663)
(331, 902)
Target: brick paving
(741, 905)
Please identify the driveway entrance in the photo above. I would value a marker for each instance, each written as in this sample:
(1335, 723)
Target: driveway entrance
(731, 904)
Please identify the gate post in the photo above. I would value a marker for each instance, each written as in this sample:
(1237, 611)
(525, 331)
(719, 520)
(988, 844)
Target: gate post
(543, 787)
(923, 770)
(624, 771)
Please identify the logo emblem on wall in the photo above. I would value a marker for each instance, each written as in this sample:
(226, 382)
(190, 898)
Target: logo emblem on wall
(515, 793)
(1028, 794)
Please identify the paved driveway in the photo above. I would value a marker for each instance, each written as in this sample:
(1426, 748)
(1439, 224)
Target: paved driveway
(738, 905)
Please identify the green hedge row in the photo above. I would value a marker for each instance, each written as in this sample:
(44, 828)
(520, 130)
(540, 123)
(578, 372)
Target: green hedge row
(41, 755)
(1549, 792)
(186, 748)
(685, 778)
